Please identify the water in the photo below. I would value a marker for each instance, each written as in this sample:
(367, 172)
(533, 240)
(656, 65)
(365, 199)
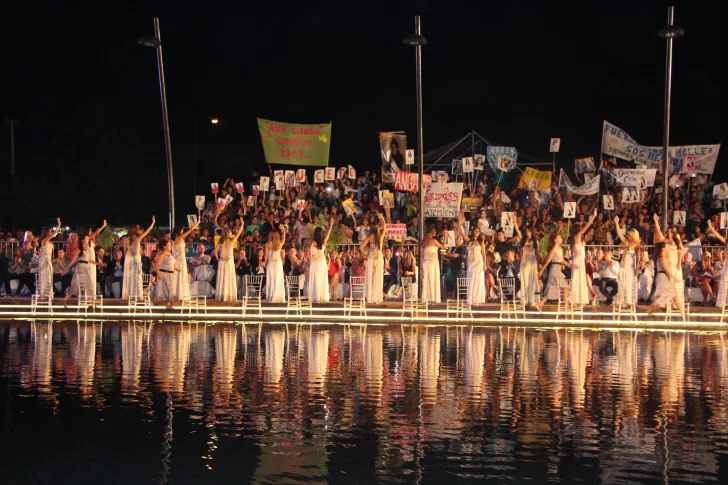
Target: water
(186, 403)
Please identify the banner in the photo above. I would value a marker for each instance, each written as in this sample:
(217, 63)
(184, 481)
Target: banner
(294, 143)
(392, 146)
(502, 158)
(635, 177)
(472, 203)
(535, 180)
(589, 188)
(585, 165)
(616, 142)
(395, 231)
(443, 200)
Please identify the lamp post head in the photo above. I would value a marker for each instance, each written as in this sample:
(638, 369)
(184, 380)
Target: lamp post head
(214, 121)
(671, 32)
(149, 42)
(414, 40)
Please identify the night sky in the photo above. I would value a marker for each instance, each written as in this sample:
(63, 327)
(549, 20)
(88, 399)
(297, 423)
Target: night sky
(87, 100)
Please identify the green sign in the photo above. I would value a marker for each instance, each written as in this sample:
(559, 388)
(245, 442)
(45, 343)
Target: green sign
(295, 144)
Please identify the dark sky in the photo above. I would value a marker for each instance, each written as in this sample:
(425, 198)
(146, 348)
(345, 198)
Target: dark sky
(516, 72)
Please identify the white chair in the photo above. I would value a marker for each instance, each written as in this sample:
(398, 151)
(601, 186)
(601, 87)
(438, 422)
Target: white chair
(44, 298)
(723, 295)
(87, 297)
(410, 302)
(619, 305)
(295, 299)
(564, 305)
(190, 302)
(201, 278)
(509, 300)
(461, 303)
(253, 293)
(356, 299)
(679, 289)
(141, 299)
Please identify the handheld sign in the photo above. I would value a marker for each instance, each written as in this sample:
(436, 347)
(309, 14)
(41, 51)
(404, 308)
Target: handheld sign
(264, 184)
(349, 207)
(240, 187)
(450, 242)
(678, 218)
(479, 162)
(191, 220)
(228, 199)
(468, 165)
(723, 219)
(318, 176)
(341, 173)
(630, 195)
(330, 173)
(569, 210)
(410, 159)
(214, 187)
(608, 202)
(507, 222)
(388, 201)
(300, 204)
(301, 175)
(200, 202)
(352, 173)
(251, 201)
(256, 189)
(555, 145)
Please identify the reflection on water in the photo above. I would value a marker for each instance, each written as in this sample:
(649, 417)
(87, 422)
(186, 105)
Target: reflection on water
(186, 403)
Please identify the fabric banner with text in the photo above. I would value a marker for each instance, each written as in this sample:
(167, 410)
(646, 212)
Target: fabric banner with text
(589, 188)
(535, 180)
(635, 177)
(295, 144)
(396, 232)
(443, 200)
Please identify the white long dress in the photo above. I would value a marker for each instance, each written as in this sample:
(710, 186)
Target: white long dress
(556, 276)
(275, 283)
(45, 270)
(579, 282)
(182, 290)
(374, 288)
(431, 275)
(131, 282)
(92, 269)
(529, 275)
(227, 285)
(476, 276)
(165, 288)
(723, 276)
(626, 277)
(83, 269)
(664, 288)
(318, 277)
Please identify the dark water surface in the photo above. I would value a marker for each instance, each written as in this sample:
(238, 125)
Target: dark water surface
(185, 403)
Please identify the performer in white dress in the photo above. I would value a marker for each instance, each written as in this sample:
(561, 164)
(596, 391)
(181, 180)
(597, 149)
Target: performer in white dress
(431, 267)
(476, 258)
(165, 287)
(721, 295)
(554, 262)
(529, 270)
(131, 283)
(317, 283)
(275, 282)
(180, 250)
(45, 263)
(371, 248)
(579, 281)
(628, 265)
(84, 268)
(668, 257)
(92, 235)
(226, 288)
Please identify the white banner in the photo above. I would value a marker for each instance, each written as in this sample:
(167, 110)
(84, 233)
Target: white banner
(635, 177)
(443, 200)
(589, 188)
(585, 165)
(615, 142)
(395, 231)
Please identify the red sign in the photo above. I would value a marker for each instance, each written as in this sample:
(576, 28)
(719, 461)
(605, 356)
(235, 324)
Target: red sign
(407, 181)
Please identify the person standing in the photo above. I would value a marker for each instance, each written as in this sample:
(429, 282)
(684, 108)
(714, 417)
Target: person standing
(579, 282)
(45, 263)
(317, 284)
(529, 270)
(628, 265)
(554, 262)
(275, 288)
(226, 288)
(476, 263)
(372, 248)
(180, 249)
(431, 266)
(131, 285)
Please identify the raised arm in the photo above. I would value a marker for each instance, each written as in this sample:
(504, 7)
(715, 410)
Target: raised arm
(715, 233)
(619, 230)
(242, 228)
(149, 229)
(586, 226)
(659, 236)
(98, 231)
(52, 233)
(381, 236)
(328, 233)
(364, 246)
(465, 237)
(187, 233)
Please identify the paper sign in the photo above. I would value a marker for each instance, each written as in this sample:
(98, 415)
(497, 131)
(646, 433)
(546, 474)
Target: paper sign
(535, 180)
(468, 165)
(220, 203)
(214, 187)
(264, 184)
(191, 220)
(300, 204)
(352, 173)
(251, 201)
(410, 157)
(330, 173)
(555, 145)
(504, 198)
(450, 240)
(569, 210)
(584, 165)
(396, 232)
(228, 199)
(630, 195)
(723, 219)
(280, 185)
(387, 200)
(441, 177)
(608, 202)
(472, 203)
(479, 162)
(457, 167)
(341, 173)
(678, 218)
(255, 189)
(688, 164)
(301, 175)
(443, 200)
(318, 176)
(200, 202)
(349, 207)
(502, 158)
(240, 187)
(289, 178)
(720, 191)
(405, 181)
(507, 220)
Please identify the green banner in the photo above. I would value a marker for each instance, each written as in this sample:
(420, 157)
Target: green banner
(295, 144)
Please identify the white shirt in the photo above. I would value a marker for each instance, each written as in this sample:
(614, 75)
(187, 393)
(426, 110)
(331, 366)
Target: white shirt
(483, 224)
(610, 272)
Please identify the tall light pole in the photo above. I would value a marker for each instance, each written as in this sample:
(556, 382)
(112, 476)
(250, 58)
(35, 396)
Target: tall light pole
(12, 124)
(669, 32)
(417, 41)
(213, 121)
(156, 43)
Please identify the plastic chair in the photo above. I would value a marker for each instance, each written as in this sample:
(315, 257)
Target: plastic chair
(253, 293)
(356, 299)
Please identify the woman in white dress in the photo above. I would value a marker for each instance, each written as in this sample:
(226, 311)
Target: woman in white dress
(131, 282)
(529, 270)
(45, 263)
(476, 257)
(275, 283)
(318, 275)
(226, 288)
(431, 267)
(180, 249)
(84, 268)
(628, 265)
(165, 287)
(371, 248)
(92, 235)
(721, 295)
(668, 257)
(579, 281)
(554, 262)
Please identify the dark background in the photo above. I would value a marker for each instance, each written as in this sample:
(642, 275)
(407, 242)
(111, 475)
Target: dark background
(90, 142)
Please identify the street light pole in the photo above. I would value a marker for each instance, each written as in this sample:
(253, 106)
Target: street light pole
(668, 33)
(417, 40)
(156, 42)
(12, 124)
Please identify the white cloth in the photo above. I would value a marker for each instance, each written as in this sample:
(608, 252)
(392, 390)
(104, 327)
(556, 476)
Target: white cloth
(476, 276)
(529, 275)
(431, 275)
(45, 270)
(275, 289)
(132, 272)
(165, 287)
(318, 277)
(626, 278)
(227, 286)
(645, 280)
(374, 288)
(579, 283)
(83, 268)
(556, 276)
(723, 276)
(182, 286)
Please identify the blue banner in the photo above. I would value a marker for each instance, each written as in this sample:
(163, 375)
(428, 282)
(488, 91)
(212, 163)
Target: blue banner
(502, 158)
